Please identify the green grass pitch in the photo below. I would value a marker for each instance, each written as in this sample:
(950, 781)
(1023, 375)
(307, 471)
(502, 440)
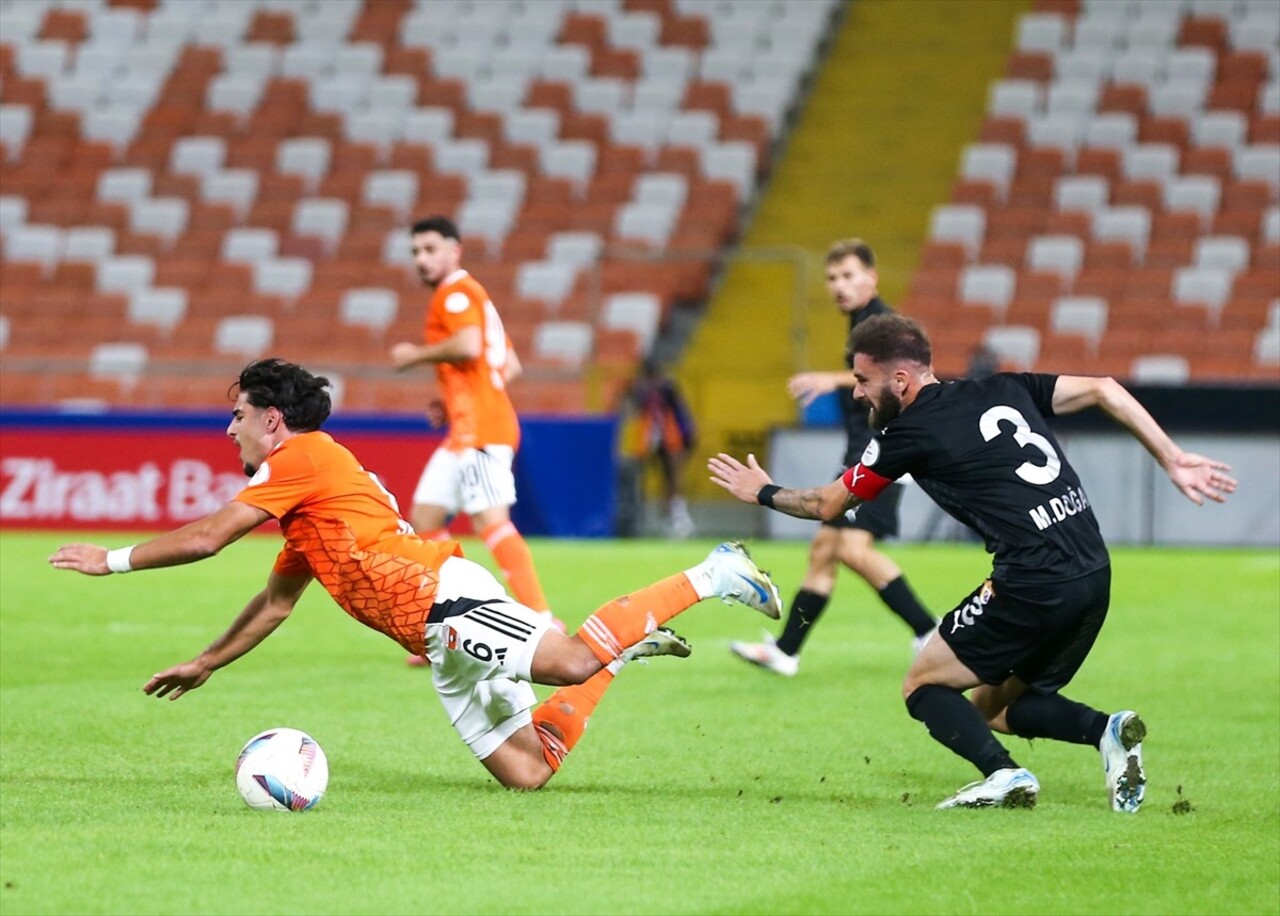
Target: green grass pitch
(702, 785)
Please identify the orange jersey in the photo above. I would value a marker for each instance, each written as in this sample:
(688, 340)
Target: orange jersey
(342, 527)
(475, 395)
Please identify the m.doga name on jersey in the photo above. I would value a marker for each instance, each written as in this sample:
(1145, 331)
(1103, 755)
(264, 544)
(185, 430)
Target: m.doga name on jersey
(1059, 508)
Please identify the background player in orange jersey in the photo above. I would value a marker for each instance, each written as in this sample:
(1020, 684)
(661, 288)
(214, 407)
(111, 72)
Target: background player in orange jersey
(471, 471)
(343, 528)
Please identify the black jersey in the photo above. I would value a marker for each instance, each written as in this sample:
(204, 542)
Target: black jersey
(854, 413)
(982, 450)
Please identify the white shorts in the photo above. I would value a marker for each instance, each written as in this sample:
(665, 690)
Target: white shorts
(481, 649)
(471, 480)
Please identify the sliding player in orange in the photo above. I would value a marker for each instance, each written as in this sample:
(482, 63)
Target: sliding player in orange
(471, 471)
(344, 529)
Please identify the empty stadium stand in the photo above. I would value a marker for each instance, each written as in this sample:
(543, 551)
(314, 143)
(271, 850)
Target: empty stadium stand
(188, 184)
(1120, 213)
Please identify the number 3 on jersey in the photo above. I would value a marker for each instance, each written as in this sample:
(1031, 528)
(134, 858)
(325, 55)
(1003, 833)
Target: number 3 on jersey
(1039, 474)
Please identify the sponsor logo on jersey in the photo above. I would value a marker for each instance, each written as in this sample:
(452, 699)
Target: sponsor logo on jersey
(871, 453)
(261, 476)
(457, 302)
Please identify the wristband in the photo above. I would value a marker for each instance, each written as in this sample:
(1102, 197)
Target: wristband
(765, 496)
(118, 559)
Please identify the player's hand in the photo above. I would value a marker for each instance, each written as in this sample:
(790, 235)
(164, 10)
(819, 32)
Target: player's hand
(1199, 477)
(806, 387)
(89, 559)
(174, 682)
(742, 480)
(403, 355)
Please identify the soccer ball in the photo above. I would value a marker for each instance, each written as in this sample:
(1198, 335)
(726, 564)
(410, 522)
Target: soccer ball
(282, 769)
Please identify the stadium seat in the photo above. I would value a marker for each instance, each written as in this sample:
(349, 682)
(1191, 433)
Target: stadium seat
(163, 307)
(987, 285)
(287, 278)
(373, 308)
(567, 343)
(245, 336)
(1160, 369)
(120, 362)
(548, 282)
(1016, 346)
(1083, 315)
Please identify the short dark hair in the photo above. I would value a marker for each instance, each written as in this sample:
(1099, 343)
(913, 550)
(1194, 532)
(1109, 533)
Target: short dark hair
(890, 338)
(298, 395)
(441, 224)
(851, 248)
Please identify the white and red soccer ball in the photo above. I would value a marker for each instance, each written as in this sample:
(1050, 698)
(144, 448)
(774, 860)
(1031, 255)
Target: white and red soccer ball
(282, 769)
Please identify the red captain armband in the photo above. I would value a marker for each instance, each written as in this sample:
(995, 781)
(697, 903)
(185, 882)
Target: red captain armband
(864, 483)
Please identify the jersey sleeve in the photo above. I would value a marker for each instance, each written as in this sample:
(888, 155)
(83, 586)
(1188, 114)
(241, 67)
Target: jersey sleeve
(281, 483)
(1040, 386)
(461, 308)
(886, 458)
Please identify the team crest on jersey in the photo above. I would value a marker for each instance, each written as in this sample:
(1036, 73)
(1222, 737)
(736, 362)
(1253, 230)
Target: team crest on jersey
(871, 453)
(457, 302)
(260, 476)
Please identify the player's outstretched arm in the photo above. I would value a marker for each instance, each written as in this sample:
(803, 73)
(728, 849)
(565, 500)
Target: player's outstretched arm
(746, 481)
(806, 387)
(1196, 477)
(467, 344)
(259, 619)
(197, 541)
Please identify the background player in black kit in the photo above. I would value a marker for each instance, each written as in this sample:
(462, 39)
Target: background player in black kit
(852, 284)
(983, 450)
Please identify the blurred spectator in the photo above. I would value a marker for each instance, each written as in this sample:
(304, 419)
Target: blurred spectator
(983, 361)
(656, 424)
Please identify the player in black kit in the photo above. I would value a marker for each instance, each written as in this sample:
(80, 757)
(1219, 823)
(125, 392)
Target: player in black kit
(983, 450)
(852, 284)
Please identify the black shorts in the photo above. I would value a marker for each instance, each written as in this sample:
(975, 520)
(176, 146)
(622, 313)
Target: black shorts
(1040, 633)
(879, 517)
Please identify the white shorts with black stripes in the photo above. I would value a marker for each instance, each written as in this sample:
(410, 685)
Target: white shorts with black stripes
(481, 658)
(470, 481)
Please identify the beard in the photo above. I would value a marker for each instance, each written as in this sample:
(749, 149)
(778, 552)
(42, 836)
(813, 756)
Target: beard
(887, 412)
(249, 470)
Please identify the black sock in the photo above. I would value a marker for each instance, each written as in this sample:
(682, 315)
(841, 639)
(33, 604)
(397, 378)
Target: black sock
(900, 599)
(806, 608)
(1035, 715)
(958, 725)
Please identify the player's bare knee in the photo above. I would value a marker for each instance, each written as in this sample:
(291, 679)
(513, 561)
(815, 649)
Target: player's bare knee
(527, 780)
(577, 664)
(910, 685)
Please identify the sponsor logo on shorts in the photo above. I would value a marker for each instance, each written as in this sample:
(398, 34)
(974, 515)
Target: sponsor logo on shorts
(450, 638)
(966, 615)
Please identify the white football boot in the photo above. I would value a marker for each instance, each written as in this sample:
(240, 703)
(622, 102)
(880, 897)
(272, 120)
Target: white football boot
(767, 655)
(734, 577)
(661, 641)
(1121, 750)
(1007, 788)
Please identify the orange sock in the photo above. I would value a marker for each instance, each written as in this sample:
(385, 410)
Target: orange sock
(625, 621)
(516, 562)
(562, 718)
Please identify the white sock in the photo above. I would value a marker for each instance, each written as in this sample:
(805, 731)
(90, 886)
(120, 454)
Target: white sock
(703, 580)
